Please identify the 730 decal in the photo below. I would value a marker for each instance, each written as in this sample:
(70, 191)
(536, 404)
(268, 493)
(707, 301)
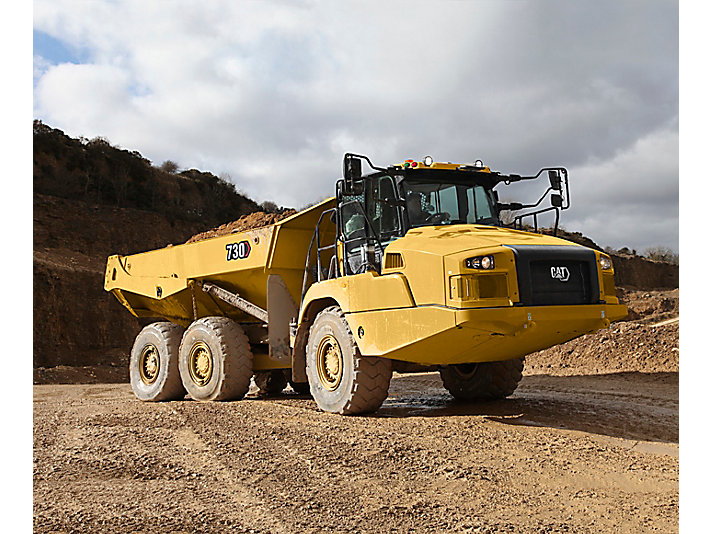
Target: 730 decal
(238, 251)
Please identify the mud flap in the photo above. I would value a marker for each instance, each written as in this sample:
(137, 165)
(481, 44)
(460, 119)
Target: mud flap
(281, 310)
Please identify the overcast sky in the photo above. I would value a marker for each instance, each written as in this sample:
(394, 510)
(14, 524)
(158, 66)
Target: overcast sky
(273, 93)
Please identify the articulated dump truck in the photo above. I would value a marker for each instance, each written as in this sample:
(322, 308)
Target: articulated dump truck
(408, 266)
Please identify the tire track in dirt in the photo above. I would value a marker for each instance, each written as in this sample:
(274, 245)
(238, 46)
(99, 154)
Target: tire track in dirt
(200, 456)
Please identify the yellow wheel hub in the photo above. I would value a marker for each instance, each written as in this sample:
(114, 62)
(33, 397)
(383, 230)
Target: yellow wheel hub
(329, 362)
(200, 363)
(149, 364)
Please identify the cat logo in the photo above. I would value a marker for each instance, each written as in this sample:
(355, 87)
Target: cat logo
(560, 273)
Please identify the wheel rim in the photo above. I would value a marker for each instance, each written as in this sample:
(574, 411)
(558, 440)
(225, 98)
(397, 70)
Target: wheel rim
(329, 362)
(149, 364)
(200, 363)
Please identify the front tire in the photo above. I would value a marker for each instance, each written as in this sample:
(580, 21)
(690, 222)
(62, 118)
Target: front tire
(482, 381)
(341, 380)
(215, 360)
(153, 367)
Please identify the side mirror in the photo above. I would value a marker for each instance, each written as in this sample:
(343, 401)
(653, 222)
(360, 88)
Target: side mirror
(495, 195)
(352, 168)
(555, 180)
(557, 200)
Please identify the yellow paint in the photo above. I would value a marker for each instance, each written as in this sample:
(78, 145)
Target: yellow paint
(439, 335)
(138, 279)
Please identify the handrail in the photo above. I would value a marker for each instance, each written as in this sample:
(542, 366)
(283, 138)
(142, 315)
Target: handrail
(315, 237)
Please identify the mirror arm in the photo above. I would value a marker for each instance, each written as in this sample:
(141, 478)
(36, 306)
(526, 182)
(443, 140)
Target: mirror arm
(350, 155)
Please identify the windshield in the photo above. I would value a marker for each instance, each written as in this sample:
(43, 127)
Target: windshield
(430, 203)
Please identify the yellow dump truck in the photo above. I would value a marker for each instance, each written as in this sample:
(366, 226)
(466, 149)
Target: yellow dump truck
(407, 264)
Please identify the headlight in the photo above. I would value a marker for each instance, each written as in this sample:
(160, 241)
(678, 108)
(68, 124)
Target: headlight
(605, 262)
(480, 262)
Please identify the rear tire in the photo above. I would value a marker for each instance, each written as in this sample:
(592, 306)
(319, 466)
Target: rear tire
(270, 382)
(482, 381)
(215, 360)
(341, 380)
(153, 367)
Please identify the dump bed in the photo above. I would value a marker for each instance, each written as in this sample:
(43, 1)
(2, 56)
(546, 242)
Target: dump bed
(167, 282)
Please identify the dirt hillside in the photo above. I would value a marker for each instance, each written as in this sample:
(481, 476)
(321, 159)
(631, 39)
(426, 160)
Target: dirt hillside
(90, 200)
(75, 321)
(632, 271)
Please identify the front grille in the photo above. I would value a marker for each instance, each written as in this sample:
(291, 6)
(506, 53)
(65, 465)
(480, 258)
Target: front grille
(561, 275)
(560, 282)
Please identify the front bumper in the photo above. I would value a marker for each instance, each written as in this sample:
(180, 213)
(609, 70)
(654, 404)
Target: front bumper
(437, 335)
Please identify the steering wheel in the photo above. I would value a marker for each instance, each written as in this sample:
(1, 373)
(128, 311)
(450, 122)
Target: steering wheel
(437, 218)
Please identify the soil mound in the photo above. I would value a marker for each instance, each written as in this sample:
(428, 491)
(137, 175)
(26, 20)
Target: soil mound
(256, 219)
(635, 344)
(624, 347)
(650, 306)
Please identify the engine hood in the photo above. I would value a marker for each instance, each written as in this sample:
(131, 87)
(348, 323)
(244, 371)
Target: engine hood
(445, 240)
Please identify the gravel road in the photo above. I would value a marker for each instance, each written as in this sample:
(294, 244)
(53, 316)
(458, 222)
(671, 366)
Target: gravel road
(564, 454)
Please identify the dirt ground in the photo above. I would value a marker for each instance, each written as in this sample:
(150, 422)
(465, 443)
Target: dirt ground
(564, 454)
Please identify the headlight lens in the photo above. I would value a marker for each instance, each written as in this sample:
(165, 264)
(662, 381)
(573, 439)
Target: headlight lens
(605, 262)
(480, 262)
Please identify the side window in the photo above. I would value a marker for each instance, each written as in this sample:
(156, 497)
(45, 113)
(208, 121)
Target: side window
(354, 229)
(383, 217)
(353, 219)
(385, 221)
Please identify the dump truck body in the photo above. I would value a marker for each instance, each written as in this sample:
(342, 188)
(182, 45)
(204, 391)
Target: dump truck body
(168, 283)
(359, 281)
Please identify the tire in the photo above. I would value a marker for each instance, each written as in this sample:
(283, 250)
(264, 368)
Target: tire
(341, 380)
(482, 381)
(215, 360)
(153, 366)
(270, 382)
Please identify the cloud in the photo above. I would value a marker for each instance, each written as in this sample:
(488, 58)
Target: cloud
(631, 199)
(274, 93)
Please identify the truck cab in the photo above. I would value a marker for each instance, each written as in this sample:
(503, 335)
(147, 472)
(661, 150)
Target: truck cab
(376, 209)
